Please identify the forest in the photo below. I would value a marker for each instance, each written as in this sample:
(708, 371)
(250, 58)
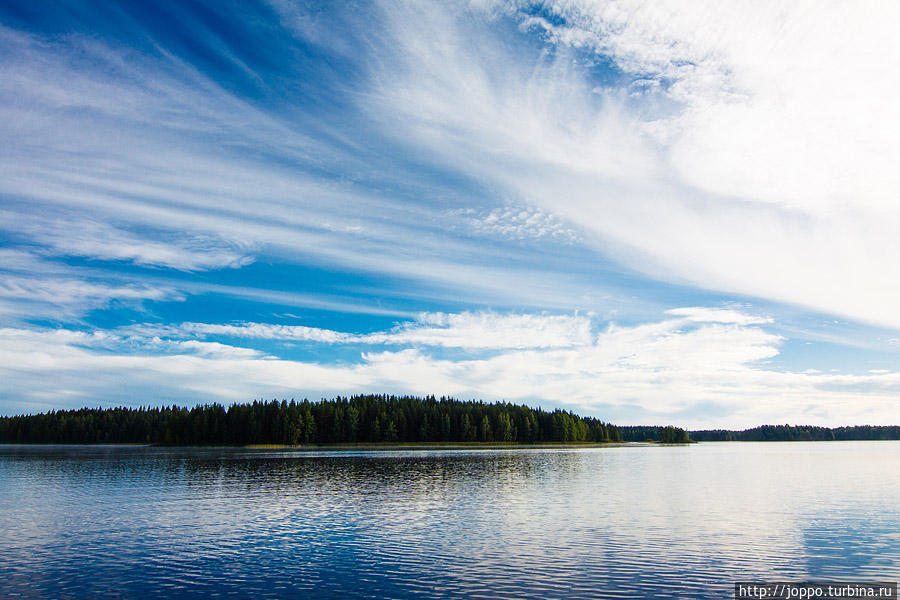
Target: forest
(799, 433)
(357, 419)
(374, 419)
(654, 433)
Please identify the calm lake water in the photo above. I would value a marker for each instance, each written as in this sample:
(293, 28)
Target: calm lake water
(617, 522)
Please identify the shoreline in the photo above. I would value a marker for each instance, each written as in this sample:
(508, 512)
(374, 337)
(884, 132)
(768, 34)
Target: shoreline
(435, 446)
(375, 446)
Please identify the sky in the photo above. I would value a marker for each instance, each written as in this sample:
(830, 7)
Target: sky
(650, 212)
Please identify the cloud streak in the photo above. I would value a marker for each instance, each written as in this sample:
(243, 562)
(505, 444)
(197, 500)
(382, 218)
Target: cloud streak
(464, 330)
(128, 155)
(760, 163)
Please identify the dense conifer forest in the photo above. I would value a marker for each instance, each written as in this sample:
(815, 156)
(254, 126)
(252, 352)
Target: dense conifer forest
(646, 433)
(799, 433)
(356, 419)
(374, 419)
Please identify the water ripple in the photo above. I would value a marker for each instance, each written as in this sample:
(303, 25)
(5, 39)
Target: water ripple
(624, 522)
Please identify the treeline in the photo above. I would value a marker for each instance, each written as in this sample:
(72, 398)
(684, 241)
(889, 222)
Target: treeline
(645, 433)
(341, 420)
(799, 433)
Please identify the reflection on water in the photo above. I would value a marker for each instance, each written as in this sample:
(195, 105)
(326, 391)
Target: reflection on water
(629, 522)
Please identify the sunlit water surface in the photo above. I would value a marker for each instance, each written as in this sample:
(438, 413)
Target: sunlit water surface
(627, 522)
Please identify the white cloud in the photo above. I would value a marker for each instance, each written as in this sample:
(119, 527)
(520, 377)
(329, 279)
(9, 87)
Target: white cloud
(516, 222)
(261, 331)
(95, 239)
(698, 374)
(67, 297)
(783, 104)
(489, 330)
(468, 330)
(702, 314)
(757, 159)
(119, 155)
(762, 164)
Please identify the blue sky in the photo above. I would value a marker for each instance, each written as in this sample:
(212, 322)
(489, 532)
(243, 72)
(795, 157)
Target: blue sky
(645, 212)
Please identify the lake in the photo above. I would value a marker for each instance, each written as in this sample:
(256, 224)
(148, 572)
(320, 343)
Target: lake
(634, 521)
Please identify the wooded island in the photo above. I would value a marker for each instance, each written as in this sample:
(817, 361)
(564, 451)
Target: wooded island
(357, 419)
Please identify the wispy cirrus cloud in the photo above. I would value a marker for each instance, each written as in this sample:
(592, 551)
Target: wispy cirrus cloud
(463, 330)
(69, 298)
(703, 314)
(727, 174)
(98, 240)
(130, 154)
(33, 287)
(149, 140)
